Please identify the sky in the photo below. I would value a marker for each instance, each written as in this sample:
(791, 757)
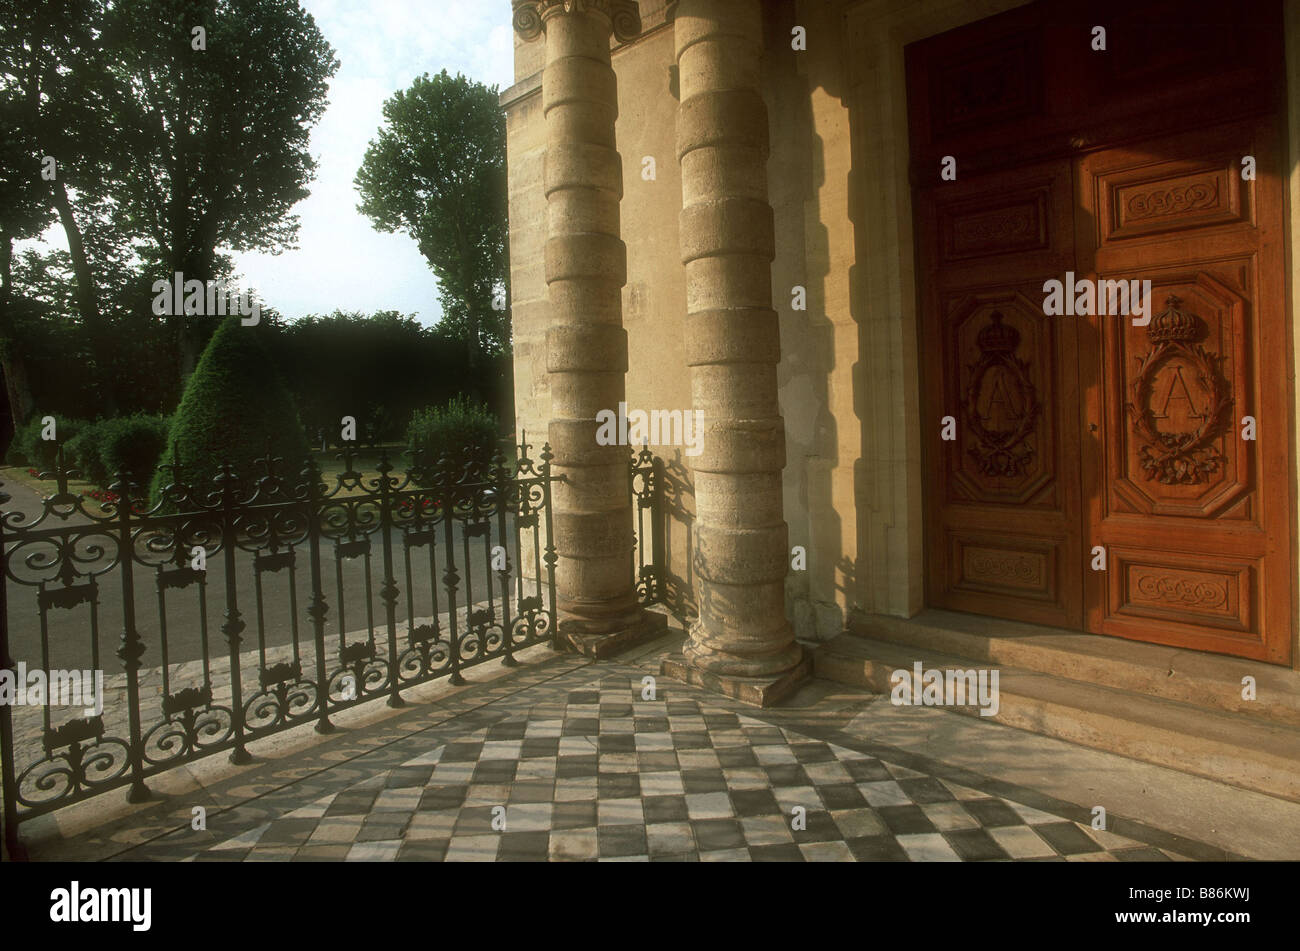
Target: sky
(342, 262)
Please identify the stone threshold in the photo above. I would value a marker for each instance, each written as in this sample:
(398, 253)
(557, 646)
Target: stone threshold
(1173, 708)
(1210, 681)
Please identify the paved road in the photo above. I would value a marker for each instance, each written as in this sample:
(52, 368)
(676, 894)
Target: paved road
(70, 630)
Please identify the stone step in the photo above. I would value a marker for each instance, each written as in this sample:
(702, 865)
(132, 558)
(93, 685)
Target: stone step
(1227, 747)
(1209, 681)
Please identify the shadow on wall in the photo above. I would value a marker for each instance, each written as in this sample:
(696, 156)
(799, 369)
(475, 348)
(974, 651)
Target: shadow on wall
(817, 592)
(678, 506)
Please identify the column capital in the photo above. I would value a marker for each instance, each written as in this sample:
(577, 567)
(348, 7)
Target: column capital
(531, 16)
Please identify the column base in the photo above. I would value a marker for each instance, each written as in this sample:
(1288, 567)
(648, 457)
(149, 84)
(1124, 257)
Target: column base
(600, 644)
(755, 691)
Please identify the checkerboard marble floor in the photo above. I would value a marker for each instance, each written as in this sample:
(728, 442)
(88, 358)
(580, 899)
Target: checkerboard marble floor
(591, 771)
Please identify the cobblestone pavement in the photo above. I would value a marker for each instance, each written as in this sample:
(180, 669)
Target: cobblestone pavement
(565, 760)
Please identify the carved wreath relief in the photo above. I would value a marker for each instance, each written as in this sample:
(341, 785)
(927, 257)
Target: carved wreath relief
(1184, 456)
(1174, 200)
(1000, 404)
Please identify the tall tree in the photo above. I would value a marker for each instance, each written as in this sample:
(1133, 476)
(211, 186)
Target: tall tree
(437, 171)
(211, 103)
(48, 51)
(24, 213)
(180, 131)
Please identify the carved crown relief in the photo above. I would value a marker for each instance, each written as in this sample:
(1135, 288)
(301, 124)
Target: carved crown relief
(1190, 381)
(1000, 404)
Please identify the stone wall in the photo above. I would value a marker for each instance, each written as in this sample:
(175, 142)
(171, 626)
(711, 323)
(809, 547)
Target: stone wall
(838, 184)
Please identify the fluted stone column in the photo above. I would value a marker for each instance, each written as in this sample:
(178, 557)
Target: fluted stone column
(742, 643)
(586, 345)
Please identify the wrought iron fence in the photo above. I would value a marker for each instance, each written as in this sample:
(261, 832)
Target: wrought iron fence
(434, 553)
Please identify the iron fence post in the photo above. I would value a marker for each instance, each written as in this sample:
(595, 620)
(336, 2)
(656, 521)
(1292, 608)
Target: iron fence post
(450, 577)
(234, 624)
(8, 775)
(388, 590)
(657, 522)
(317, 609)
(503, 573)
(550, 557)
(132, 648)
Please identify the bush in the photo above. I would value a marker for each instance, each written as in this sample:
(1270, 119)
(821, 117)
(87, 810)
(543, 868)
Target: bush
(132, 446)
(234, 406)
(463, 431)
(82, 454)
(29, 449)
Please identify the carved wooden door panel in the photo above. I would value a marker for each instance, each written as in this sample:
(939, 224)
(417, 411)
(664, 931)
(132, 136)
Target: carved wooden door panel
(1004, 513)
(1194, 518)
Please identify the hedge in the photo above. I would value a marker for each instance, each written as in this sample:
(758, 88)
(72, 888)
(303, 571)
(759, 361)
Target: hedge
(235, 405)
(29, 449)
(463, 433)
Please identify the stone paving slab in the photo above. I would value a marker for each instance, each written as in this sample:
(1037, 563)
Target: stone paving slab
(284, 765)
(582, 768)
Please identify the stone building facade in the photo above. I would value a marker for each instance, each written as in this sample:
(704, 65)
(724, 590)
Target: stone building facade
(742, 208)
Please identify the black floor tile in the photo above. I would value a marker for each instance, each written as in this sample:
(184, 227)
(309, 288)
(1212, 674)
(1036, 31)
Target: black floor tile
(974, 845)
(620, 840)
(926, 790)
(787, 775)
(754, 802)
(703, 781)
(713, 835)
(842, 796)
(787, 852)
(905, 820)
(664, 809)
(991, 813)
(524, 846)
(1067, 838)
(877, 848)
(618, 785)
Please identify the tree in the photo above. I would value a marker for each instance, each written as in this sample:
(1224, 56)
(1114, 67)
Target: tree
(47, 54)
(210, 144)
(234, 407)
(23, 214)
(168, 157)
(437, 171)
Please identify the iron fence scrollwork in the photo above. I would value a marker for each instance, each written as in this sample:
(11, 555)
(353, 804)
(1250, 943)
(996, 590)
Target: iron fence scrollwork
(436, 555)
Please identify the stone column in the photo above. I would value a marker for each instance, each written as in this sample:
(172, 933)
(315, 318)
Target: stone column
(586, 345)
(742, 643)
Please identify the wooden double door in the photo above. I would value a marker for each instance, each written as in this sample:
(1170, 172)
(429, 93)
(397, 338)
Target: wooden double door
(1090, 469)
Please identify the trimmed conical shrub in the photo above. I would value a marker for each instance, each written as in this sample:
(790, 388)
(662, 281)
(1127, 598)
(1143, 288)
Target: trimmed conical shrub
(234, 405)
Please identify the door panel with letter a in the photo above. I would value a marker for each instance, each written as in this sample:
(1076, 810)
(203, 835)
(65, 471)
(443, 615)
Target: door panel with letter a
(1193, 513)
(1004, 514)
